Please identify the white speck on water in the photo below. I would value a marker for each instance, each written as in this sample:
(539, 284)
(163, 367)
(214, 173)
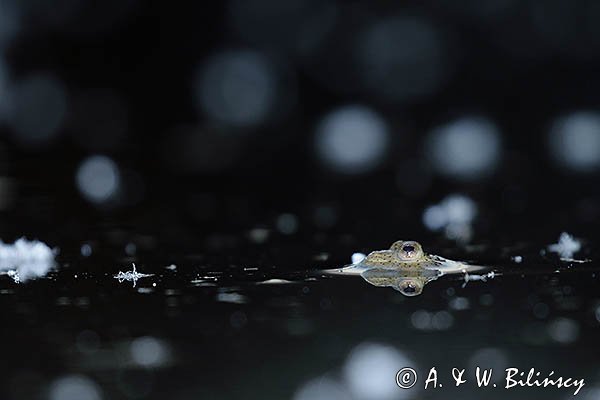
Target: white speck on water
(154, 284)
(566, 247)
(171, 267)
(517, 259)
(26, 259)
(357, 257)
(130, 276)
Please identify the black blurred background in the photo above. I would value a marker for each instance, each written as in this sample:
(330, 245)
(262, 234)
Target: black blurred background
(283, 136)
(213, 116)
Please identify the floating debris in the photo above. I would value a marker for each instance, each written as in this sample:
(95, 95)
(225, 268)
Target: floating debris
(171, 267)
(482, 278)
(26, 259)
(130, 276)
(517, 259)
(566, 247)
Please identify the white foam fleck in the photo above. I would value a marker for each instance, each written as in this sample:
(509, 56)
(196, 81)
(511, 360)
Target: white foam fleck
(26, 259)
(566, 247)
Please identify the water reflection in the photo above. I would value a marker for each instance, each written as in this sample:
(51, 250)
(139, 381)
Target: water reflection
(407, 268)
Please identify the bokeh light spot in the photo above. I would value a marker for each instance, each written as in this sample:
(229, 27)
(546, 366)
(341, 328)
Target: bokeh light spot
(74, 387)
(98, 179)
(238, 88)
(465, 149)
(574, 141)
(368, 370)
(352, 140)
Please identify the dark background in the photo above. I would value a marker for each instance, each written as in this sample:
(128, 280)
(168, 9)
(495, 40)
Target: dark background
(126, 76)
(285, 136)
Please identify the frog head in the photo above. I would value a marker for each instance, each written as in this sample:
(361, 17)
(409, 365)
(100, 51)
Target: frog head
(407, 250)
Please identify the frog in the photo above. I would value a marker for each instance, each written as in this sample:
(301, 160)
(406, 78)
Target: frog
(405, 267)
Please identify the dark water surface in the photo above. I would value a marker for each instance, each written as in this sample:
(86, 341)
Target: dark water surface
(261, 322)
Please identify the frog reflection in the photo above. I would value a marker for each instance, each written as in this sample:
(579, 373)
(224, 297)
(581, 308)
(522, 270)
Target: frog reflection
(404, 267)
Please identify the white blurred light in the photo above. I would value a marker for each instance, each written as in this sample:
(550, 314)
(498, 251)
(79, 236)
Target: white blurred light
(468, 148)
(454, 214)
(238, 88)
(402, 58)
(321, 389)
(459, 303)
(442, 320)
(74, 387)
(86, 250)
(563, 330)
(574, 141)
(39, 106)
(287, 224)
(352, 140)
(148, 351)
(489, 357)
(98, 179)
(421, 319)
(368, 370)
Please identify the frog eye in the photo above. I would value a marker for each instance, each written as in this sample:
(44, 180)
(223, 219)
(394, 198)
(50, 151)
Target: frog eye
(410, 288)
(407, 250)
